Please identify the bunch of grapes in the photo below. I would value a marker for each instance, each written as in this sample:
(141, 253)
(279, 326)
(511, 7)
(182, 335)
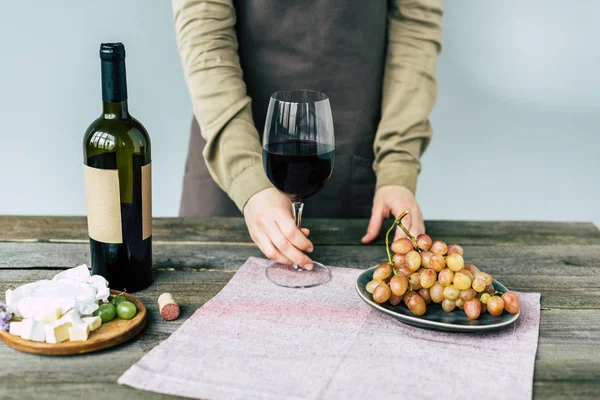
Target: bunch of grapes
(422, 271)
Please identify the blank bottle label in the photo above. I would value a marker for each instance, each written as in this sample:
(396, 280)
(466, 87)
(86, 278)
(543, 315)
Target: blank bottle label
(103, 202)
(146, 201)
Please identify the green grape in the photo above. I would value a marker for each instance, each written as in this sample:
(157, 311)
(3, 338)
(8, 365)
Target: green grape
(439, 247)
(126, 310)
(428, 278)
(437, 292)
(451, 292)
(472, 268)
(467, 273)
(403, 270)
(487, 278)
(472, 308)
(448, 305)
(425, 294)
(455, 262)
(424, 242)
(417, 305)
(461, 281)
(382, 272)
(382, 293)
(437, 262)
(118, 299)
(479, 284)
(402, 246)
(445, 276)
(413, 260)
(495, 305)
(414, 281)
(485, 298)
(512, 303)
(399, 285)
(468, 294)
(399, 259)
(425, 257)
(370, 287)
(395, 300)
(455, 249)
(106, 312)
(408, 295)
(459, 303)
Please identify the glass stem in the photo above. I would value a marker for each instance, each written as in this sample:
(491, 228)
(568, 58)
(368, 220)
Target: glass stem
(297, 207)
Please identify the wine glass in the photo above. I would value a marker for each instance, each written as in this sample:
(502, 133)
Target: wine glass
(298, 157)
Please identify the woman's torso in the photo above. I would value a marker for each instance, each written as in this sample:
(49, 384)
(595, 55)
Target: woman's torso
(336, 47)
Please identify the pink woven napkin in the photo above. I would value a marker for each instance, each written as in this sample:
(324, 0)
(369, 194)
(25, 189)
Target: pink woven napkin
(256, 340)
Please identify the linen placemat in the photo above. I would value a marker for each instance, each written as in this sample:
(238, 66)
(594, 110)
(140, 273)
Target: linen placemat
(256, 340)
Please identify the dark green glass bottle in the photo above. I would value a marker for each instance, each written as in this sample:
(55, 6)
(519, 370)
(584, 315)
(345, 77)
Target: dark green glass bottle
(118, 183)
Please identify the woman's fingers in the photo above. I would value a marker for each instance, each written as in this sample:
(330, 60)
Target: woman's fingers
(266, 246)
(374, 224)
(286, 248)
(294, 235)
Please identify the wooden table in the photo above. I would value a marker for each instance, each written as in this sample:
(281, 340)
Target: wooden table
(195, 258)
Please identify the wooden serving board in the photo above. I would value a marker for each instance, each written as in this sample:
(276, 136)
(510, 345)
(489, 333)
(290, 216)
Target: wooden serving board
(108, 335)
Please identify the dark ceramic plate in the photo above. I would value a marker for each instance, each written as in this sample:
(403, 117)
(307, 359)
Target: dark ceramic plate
(435, 318)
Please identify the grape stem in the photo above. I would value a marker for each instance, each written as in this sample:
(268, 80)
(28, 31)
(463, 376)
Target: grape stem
(398, 222)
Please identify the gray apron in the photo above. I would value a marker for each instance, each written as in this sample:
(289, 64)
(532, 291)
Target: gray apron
(334, 46)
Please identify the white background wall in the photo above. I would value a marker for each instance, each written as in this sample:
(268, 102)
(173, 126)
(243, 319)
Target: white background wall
(517, 122)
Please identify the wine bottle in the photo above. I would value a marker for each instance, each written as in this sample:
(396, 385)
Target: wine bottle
(118, 183)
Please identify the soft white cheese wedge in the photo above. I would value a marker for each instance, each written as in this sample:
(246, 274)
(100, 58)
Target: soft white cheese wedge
(15, 328)
(50, 316)
(92, 322)
(57, 332)
(73, 317)
(33, 330)
(79, 332)
(71, 289)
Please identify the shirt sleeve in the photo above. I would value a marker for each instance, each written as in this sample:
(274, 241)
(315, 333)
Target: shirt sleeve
(409, 90)
(207, 41)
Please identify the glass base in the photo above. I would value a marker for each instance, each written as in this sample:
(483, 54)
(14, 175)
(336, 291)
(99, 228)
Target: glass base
(287, 276)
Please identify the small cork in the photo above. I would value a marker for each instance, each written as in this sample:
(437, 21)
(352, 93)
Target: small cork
(169, 310)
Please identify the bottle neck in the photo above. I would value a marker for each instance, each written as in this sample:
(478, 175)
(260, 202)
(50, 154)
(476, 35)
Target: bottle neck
(115, 110)
(114, 89)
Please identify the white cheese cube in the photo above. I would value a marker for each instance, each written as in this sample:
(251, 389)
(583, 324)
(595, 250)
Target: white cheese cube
(15, 328)
(33, 330)
(73, 317)
(93, 323)
(79, 332)
(57, 332)
(49, 316)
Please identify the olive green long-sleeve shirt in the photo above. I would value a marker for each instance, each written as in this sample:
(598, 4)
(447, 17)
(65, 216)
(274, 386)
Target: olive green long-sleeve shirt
(208, 46)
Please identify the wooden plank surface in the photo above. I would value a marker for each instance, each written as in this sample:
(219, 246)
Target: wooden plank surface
(526, 260)
(567, 350)
(195, 258)
(323, 231)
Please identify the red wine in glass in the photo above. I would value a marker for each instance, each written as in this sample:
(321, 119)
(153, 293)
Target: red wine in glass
(298, 157)
(298, 168)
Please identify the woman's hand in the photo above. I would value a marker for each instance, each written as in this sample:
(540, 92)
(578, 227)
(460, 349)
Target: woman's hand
(392, 201)
(272, 227)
